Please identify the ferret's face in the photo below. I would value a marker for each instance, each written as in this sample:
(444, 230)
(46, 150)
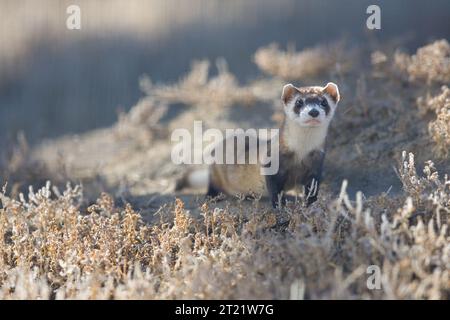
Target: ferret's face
(310, 106)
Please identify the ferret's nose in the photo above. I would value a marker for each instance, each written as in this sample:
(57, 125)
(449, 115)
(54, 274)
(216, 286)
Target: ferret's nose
(314, 113)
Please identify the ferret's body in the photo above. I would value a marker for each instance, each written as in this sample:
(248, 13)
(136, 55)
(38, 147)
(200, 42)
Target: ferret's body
(308, 112)
(237, 178)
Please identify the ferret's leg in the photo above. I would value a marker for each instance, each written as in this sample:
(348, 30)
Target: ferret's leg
(314, 176)
(214, 182)
(212, 191)
(275, 185)
(312, 190)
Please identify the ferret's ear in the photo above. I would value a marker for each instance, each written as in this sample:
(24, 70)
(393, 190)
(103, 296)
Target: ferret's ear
(288, 93)
(332, 90)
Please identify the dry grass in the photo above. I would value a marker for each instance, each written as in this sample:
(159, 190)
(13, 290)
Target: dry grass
(199, 89)
(293, 65)
(439, 128)
(431, 63)
(52, 248)
(142, 123)
(430, 104)
(430, 66)
(17, 167)
(58, 245)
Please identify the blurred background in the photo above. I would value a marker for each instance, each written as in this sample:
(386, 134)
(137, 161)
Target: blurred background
(55, 81)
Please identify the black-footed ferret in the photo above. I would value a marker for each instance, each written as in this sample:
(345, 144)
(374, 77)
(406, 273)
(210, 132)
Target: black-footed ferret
(308, 113)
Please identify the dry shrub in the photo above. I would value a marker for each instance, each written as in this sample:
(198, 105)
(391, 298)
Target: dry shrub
(378, 57)
(142, 122)
(145, 123)
(434, 104)
(431, 63)
(439, 128)
(51, 248)
(292, 65)
(18, 167)
(45, 239)
(380, 63)
(430, 195)
(197, 88)
(440, 131)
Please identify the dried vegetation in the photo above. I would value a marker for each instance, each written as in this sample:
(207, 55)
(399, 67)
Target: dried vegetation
(56, 245)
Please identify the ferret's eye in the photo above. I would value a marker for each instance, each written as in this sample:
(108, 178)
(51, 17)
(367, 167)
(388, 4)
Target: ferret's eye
(324, 102)
(299, 103)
